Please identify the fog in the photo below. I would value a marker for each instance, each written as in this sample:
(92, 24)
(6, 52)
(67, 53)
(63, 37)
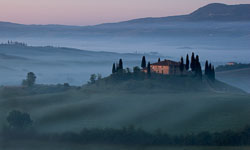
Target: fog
(59, 65)
(219, 42)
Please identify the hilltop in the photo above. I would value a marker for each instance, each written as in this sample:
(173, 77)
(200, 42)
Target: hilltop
(211, 12)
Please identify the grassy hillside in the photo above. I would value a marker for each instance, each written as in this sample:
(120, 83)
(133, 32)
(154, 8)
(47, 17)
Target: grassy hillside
(176, 105)
(238, 77)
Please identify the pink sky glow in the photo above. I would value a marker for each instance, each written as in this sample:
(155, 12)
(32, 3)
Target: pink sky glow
(90, 12)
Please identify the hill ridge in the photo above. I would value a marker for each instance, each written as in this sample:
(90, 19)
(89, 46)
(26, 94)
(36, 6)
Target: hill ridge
(238, 12)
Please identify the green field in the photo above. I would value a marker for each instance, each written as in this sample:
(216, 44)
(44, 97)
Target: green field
(148, 104)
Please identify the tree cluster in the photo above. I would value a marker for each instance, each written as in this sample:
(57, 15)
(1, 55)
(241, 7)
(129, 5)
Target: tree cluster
(94, 77)
(30, 80)
(209, 71)
(132, 136)
(19, 120)
(117, 67)
(196, 65)
(14, 43)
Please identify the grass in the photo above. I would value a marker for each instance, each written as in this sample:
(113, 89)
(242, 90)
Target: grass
(236, 77)
(140, 103)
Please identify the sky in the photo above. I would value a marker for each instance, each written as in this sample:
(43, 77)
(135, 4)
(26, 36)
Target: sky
(91, 12)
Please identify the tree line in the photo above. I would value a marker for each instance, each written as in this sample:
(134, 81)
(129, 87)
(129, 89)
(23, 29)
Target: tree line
(194, 66)
(118, 68)
(14, 43)
(136, 136)
(20, 127)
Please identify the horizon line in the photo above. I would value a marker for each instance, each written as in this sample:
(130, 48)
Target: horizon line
(3, 21)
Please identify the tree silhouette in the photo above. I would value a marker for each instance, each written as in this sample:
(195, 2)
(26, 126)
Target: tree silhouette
(182, 65)
(193, 62)
(143, 62)
(209, 68)
(197, 67)
(30, 80)
(197, 63)
(113, 68)
(120, 66)
(206, 68)
(187, 63)
(136, 70)
(92, 78)
(159, 59)
(197, 59)
(19, 120)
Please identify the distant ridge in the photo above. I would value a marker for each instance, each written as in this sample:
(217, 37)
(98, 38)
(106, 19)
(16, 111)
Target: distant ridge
(210, 12)
(222, 12)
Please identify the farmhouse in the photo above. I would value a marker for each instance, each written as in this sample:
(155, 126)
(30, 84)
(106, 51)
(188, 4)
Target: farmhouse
(166, 67)
(231, 63)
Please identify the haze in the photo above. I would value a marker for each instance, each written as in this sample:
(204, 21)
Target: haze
(89, 12)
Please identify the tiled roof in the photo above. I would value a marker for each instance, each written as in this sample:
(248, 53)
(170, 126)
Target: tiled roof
(166, 63)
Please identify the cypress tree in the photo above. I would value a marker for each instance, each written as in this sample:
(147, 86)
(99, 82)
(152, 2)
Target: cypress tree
(120, 64)
(159, 60)
(197, 63)
(209, 71)
(193, 62)
(198, 70)
(143, 62)
(187, 63)
(206, 68)
(182, 65)
(114, 68)
(197, 59)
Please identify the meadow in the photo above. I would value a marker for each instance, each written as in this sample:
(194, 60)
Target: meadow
(150, 104)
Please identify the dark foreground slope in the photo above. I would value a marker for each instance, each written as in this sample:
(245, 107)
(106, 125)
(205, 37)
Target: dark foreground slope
(175, 105)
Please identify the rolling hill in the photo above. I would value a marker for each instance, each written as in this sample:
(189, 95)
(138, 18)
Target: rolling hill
(176, 105)
(53, 65)
(236, 77)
